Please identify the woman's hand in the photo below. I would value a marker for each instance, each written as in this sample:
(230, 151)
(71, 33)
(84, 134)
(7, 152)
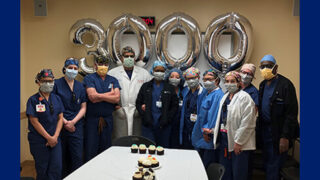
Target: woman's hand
(284, 145)
(143, 107)
(69, 126)
(237, 148)
(52, 141)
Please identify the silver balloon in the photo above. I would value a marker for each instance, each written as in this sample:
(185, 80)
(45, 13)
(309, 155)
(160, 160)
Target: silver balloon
(77, 32)
(187, 24)
(135, 24)
(229, 22)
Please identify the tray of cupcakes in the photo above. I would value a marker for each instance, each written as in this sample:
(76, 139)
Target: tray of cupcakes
(148, 162)
(144, 174)
(142, 149)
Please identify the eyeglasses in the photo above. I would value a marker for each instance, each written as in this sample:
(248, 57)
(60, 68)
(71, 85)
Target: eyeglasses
(46, 81)
(74, 98)
(126, 56)
(269, 66)
(51, 108)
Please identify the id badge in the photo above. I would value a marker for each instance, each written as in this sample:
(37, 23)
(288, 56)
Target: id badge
(159, 104)
(223, 128)
(110, 86)
(40, 108)
(193, 117)
(180, 103)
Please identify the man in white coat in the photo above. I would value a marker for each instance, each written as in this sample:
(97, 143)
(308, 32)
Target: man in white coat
(131, 77)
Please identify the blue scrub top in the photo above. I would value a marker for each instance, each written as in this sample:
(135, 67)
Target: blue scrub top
(253, 92)
(99, 109)
(47, 119)
(156, 96)
(206, 118)
(72, 103)
(190, 108)
(265, 104)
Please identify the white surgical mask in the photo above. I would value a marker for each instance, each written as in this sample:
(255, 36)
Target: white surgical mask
(246, 79)
(158, 75)
(193, 83)
(175, 82)
(46, 87)
(209, 85)
(231, 87)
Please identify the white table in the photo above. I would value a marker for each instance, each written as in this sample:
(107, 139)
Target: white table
(118, 163)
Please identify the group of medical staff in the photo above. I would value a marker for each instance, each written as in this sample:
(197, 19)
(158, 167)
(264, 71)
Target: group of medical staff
(71, 122)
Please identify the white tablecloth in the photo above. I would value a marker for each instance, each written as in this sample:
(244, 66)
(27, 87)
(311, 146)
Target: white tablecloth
(118, 163)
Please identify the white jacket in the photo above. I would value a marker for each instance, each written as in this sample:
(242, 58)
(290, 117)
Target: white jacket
(241, 121)
(126, 119)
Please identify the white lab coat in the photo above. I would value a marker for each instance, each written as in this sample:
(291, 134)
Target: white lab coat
(126, 120)
(241, 121)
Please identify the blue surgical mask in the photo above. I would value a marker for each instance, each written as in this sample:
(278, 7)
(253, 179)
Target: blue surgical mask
(71, 73)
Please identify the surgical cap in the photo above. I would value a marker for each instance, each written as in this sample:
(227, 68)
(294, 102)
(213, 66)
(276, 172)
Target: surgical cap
(44, 73)
(191, 71)
(70, 61)
(268, 57)
(210, 72)
(235, 74)
(157, 63)
(168, 73)
(250, 67)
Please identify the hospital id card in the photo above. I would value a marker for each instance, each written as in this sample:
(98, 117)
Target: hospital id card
(193, 117)
(40, 108)
(180, 103)
(159, 104)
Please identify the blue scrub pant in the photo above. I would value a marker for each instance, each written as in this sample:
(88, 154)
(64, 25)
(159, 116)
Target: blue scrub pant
(208, 156)
(186, 140)
(95, 143)
(72, 149)
(236, 166)
(48, 161)
(160, 136)
(272, 161)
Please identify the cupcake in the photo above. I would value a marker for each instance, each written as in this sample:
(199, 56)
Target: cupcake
(146, 163)
(142, 149)
(152, 149)
(154, 163)
(141, 160)
(134, 148)
(137, 176)
(160, 150)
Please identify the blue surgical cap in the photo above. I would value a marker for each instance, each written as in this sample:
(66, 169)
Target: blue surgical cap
(157, 63)
(168, 73)
(70, 61)
(268, 57)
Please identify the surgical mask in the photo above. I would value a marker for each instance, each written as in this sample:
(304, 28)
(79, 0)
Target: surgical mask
(267, 74)
(193, 83)
(128, 62)
(231, 87)
(102, 70)
(46, 87)
(158, 76)
(175, 82)
(71, 73)
(209, 85)
(246, 79)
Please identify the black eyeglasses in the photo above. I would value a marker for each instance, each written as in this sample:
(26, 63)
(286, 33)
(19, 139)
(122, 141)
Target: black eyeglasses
(51, 108)
(269, 66)
(74, 98)
(126, 56)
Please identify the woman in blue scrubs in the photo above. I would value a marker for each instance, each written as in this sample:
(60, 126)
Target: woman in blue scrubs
(175, 78)
(103, 93)
(157, 103)
(192, 97)
(202, 133)
(234, 131)
(73, 96)
(45, 120)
